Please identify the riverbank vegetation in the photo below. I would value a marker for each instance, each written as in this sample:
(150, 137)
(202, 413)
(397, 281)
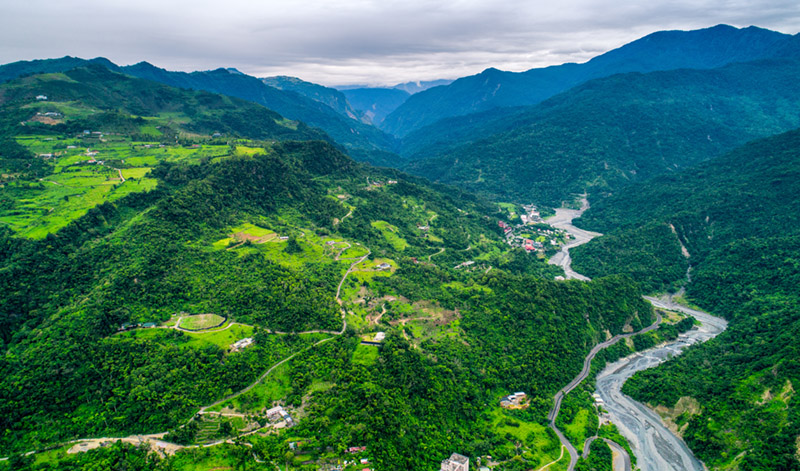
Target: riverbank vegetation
(739, 219)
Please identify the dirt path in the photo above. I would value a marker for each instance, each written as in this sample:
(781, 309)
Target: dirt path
(273, 367)
(435, 254)
(553, 462)
(378, 319)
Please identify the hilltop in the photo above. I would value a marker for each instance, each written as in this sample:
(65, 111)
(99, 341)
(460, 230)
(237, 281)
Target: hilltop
(362, 141)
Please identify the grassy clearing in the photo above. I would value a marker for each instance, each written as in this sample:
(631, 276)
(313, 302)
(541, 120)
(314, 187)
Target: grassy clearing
(275, 387)
(576, 430)
(223, 339)
(541, 446)
(221, 458)
(390, 234)
(365, 355)
(354, 252)
(201, 321)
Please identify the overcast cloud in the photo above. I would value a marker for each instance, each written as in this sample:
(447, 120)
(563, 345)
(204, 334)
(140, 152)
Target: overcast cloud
(359, 41)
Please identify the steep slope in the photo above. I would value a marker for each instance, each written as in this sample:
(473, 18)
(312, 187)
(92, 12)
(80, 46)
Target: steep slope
(609, 132)
(375, 103)
(739, 218)
(664, 50)
(331, 97)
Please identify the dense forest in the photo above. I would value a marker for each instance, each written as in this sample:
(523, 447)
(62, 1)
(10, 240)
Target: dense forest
(265, 223)
(606, 133)
(737, 215)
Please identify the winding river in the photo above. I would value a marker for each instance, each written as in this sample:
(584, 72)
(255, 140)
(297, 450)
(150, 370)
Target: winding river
(655, 446)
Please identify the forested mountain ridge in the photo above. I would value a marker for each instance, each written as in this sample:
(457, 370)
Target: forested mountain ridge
(326, 95)
(609, 132)
(364, 142)
(269, 228)
(739, 218)
(664, 50)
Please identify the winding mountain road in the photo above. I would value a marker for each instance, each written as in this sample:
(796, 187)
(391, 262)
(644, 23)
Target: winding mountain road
(655, 446)
(587, 366)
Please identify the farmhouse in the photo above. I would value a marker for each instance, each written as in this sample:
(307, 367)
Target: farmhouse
(518, 400)
(41, 97)
(241, 344)
(384, 266)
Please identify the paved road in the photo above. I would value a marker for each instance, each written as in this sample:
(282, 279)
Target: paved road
(622, 460)
(655, 446)
(587, 366)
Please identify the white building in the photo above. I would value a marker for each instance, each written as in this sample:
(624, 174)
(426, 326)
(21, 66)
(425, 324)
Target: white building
(242, 344)
(456, 462)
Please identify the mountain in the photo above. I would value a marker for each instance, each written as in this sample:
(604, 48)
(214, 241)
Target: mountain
(665, 50)
(363, 141)
(609, 132)
(128, 278)
(375, 103)
(738, 217)
(335, 99)
(44, 66)
(415, 87)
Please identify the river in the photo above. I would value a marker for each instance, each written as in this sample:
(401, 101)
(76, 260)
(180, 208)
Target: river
(655, 446)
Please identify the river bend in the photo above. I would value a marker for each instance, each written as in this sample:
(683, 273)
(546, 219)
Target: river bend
(655, 446)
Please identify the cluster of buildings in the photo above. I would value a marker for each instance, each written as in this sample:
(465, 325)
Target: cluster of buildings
(49, 114)
(278, 413)
(532, 216)
(518, 400)
(377, 184)
(139, 325)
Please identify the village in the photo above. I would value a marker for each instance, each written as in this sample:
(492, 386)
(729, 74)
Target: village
(532, 233)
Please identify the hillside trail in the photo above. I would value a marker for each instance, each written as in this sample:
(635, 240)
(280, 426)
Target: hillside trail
(155, 439)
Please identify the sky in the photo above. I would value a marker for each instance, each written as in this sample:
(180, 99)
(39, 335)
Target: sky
(341, 42)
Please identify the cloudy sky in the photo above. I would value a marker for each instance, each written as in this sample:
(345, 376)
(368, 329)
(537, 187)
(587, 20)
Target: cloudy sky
(359, 41)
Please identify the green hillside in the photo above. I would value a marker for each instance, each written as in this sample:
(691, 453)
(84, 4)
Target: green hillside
(610, 132)
(296, 247)
(739, 218)
(98, 134)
